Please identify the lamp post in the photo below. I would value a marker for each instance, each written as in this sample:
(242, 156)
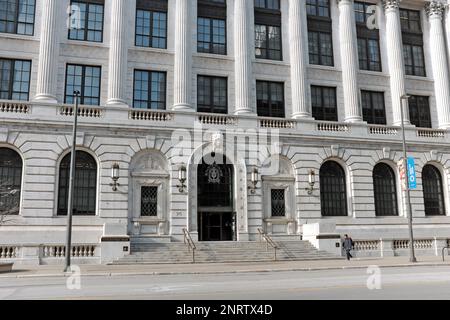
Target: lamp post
(71, 183)
(412, 257)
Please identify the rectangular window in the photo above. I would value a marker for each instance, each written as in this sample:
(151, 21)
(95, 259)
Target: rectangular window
(324, 106)
(320, 48)
(268, 4)
(90, 26)
(211, 36)
(414, 60)
(15, 79)
(268, 37)
(149, 90)
(368, 40)
(374, 111)
(149, 201)
(86, 80)
(212, 94)
(318, 8)
(268, 42)
(320, 40)
(17, 16)
(410, 21)
(270, 99)
(412, 43)
(369, 54)
(151, 29)
(278, 203)
(419, 111)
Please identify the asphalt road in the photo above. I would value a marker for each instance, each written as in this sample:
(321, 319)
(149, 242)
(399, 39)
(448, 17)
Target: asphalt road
(390, 283)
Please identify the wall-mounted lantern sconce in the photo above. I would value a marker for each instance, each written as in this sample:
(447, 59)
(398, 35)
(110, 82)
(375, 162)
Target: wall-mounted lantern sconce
(115, 175)
(254, 180)
(182, 178)
(311, 182)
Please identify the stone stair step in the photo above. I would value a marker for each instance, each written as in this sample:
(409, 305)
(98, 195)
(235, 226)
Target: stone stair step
(290, 248)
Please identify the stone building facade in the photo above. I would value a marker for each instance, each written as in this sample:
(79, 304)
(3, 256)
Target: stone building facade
(296, 82)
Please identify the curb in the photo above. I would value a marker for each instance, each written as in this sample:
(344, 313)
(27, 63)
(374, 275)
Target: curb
(166, 273)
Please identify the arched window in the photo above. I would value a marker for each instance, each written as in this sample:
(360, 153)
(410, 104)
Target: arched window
(333, 190)
(10, 181)
(433, 191)
(85, 185)
(384, 188)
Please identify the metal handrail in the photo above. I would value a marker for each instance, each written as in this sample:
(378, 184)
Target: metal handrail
(190, 243)
(269, 241)
(443, 256)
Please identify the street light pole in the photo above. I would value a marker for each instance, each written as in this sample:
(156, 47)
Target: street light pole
(71, 183)
(412, 257)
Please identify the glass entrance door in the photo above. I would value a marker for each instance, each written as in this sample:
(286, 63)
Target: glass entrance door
(215, 201)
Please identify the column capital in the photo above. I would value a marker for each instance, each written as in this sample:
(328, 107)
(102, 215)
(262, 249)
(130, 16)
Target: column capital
(391, 4)
(344, 1)
(435, 8)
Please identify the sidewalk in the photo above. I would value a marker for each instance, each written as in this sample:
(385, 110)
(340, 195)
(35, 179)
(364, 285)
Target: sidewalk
(217, 268)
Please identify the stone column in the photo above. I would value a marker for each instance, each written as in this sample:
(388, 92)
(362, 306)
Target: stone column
(300, 108)
(183, 57)
(395, 59)
(118, 53)
(447, 27)
(48, 53)
(349, 61)
(435, 11)
(243, 59)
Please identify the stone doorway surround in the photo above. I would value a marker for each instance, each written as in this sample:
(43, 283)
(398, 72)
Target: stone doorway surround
(149, 168)
(239, 189)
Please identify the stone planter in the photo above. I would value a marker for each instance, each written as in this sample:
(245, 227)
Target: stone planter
(6, 267)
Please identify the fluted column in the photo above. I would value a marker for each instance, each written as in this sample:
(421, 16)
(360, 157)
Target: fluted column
(48, 53)
(435, 11)
(349, 61)
(183, 57)
(243, 60)
(447, 28)
(118, 53)
(395, 59)
(300, 107)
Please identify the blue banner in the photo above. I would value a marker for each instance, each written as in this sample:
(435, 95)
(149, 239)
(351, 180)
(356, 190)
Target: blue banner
(412, 181)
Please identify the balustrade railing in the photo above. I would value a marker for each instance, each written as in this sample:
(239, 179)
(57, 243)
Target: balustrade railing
(418, 244)
(150, 115)
(14, 107)
(383, 130)
(277, 123)
(77, 251)
(366, 245)
(332, 127)
(223, 120)
(431, 133)
(86, 112)
(8, 252)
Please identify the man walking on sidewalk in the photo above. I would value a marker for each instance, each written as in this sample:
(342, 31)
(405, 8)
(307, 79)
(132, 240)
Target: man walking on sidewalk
(348, 246)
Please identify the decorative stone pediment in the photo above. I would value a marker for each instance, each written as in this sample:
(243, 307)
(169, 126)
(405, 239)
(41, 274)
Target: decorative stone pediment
(435, 155)
(277, 166)
(149, 162)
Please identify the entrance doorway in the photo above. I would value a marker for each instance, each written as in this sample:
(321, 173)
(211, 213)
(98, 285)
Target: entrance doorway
(216, 219)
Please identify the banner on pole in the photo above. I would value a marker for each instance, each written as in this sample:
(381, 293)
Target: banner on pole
(412, 180)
